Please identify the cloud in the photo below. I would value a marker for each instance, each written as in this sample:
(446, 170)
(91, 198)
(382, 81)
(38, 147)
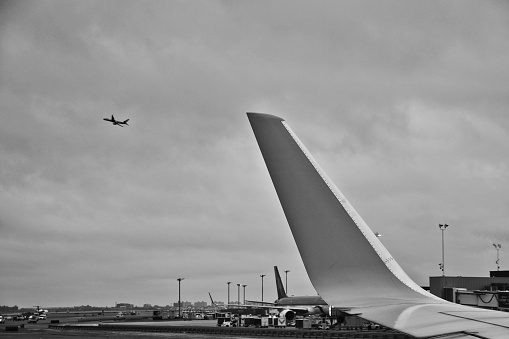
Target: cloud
(402, 104)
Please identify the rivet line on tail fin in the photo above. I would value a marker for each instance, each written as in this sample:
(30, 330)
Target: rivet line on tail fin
(352, 213)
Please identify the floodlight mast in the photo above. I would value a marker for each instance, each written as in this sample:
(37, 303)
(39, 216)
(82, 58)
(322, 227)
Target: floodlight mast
(179, 280)
(261, 276)
(244, 285)
(286, 281)
(238, 294)
(228, 283)
(442, 265)
(497, 247)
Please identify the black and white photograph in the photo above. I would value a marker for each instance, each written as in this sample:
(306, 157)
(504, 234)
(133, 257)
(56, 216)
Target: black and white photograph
(333, 166)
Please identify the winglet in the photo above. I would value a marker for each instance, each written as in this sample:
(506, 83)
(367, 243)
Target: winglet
(345, 261)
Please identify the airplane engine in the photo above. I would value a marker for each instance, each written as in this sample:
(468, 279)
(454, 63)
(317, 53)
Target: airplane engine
(313, 310)
(288, 314)
(320, 310)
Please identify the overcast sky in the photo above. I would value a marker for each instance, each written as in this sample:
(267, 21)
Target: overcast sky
(403, 104)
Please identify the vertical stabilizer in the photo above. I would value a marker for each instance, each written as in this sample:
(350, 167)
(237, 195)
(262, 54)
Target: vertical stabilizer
(281, 293)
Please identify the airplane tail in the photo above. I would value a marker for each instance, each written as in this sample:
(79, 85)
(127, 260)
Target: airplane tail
(345, 261)
(281, 293)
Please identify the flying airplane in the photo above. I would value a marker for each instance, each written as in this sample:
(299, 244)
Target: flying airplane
(117, 122)
(345, 261)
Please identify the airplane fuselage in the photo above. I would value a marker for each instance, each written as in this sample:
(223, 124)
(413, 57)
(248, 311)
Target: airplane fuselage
(297, 305)
(301, 300)
(301, 305)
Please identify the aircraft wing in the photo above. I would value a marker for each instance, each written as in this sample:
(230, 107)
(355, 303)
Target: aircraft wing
(257, 303)
(346, 263)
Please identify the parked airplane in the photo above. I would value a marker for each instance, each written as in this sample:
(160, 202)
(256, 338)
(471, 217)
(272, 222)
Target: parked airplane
(289, 307)
(117, 122)
(345, 261)
(40, 310)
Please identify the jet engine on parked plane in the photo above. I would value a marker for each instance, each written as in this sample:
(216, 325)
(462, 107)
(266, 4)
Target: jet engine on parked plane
(288, 314)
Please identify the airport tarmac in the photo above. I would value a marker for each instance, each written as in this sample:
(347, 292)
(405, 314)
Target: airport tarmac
(52, 334)
(45, 332)
(137, 329)
(41, 330)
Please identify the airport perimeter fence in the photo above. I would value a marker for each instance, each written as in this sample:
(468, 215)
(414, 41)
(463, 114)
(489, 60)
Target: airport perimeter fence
(240, 331)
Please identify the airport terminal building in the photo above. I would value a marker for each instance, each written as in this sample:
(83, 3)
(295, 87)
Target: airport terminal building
(487, 292)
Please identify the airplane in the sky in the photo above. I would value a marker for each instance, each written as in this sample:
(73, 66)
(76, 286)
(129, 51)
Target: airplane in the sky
(305, 305)
(117, 122)
(345, 261)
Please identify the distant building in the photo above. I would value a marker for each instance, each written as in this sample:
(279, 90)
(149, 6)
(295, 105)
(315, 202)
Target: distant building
(489, 292)
(147, 306)
(200, 304)
(123, 305)
(7, 309)
(183, 304)
(499, 274)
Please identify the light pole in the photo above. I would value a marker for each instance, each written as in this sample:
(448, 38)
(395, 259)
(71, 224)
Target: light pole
(497, 247)
(244, 293)
(179, 280)
(442, 265)
(238, 294)
(286, 281)
(261, 276)
(229, 282)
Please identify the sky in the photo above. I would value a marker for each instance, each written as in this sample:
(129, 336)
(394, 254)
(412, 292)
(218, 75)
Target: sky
(403, 104)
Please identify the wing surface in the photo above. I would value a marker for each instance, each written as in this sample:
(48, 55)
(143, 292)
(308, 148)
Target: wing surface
(346, 263)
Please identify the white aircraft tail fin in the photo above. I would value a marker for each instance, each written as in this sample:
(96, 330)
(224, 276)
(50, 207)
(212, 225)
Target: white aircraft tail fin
(345, 261)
